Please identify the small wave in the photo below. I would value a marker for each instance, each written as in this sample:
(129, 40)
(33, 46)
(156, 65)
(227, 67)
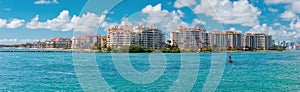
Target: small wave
(65, 73)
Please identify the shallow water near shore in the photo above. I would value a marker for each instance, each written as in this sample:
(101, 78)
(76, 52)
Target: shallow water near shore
(54, 71)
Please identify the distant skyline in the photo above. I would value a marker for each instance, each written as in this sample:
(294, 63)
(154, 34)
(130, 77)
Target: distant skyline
(31, 20)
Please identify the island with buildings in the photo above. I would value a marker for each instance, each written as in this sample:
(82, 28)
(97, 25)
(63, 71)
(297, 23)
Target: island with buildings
(149, 39)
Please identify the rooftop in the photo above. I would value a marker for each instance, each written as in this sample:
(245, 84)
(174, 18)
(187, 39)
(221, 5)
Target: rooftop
(226, 32)
(199, 28)
(256, 34)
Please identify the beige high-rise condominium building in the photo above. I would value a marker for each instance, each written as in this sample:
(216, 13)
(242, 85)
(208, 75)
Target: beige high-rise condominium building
(258, 41)
(186, 38)
(189, 38)
(119, 36)
(217, 39)
(143, 36)
(225, 39)
(150, 37)
(234, 39)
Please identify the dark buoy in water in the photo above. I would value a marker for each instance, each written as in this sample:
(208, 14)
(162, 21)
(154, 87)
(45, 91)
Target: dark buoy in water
(230, 60)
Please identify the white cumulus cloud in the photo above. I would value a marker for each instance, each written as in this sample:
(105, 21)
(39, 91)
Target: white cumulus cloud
(281, 33)
(227, 12)
(15, 23)
(288, 15)
(88, 22)
(184, 3)
(46, 2)
(292, 8)
(58, 23)
(18, 41)
(295, 25)
(2, 23)
(11, 24)
(197, 22)
(278, 1)
(156, 16)
(296, 6)
(168, 21)
(13, 41)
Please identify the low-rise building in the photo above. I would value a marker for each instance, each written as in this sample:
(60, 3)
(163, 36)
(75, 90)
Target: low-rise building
(39, 44)
(59, 43)
(86, 42)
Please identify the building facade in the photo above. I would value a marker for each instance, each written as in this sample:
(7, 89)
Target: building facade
(217, 39)
(145, 37)
(59, 43)
(39, 44)
(189, 38)
(150, 37)
(226, 39)
(119, 36)
(258, 41)
(86, 42)
(234, 39)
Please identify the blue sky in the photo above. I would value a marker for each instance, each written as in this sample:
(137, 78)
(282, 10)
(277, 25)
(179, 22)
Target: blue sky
(31, 20)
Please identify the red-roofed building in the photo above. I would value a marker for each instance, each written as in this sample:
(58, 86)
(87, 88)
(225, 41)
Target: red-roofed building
(59, 43)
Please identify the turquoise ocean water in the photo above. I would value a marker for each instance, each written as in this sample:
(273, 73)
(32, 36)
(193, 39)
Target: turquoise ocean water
(54, 71)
